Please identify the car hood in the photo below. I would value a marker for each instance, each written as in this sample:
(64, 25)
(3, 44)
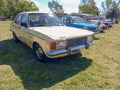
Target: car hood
(88, 25)
(57, 32)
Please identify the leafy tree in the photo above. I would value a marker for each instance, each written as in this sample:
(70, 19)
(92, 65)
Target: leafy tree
(111, 9)
(55, 7)
(107, 5)
(26, 6)
(13, 7)
(2, 5)
(89, 7)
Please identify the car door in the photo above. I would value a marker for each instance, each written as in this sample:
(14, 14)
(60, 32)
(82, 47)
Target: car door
(16, 26)
(27, 38)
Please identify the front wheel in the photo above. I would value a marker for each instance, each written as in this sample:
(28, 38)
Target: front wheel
(39, 53)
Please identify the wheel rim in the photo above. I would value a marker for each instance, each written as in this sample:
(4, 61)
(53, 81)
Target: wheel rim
(39, 53)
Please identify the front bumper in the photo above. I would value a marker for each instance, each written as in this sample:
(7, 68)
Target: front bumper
(66, 52)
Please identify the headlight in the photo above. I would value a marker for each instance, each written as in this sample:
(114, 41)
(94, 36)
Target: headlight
(90, 38)
(60, 44)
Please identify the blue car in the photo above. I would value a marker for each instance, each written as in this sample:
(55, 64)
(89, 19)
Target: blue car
(77, 22)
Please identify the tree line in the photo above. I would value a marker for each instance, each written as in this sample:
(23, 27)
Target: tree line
(10, 8)
(109, 8)
(88, 7)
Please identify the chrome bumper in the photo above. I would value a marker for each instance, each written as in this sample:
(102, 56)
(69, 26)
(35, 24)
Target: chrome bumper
(68, 51)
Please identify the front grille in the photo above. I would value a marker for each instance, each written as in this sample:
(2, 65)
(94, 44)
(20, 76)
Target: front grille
(76, 41)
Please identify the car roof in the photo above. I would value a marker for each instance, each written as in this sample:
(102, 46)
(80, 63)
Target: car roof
(30, 12)
(87, 14)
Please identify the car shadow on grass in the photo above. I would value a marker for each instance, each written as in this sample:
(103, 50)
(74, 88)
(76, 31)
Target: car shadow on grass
(36, 75)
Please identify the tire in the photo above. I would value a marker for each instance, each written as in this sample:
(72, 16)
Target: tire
(101, 30)
(15, 38)
(39, 53)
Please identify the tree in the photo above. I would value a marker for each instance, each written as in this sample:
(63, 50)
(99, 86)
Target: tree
(13, 7)
(2, 5)
(111, 9)
(89, 7)
(26, 6)
(55, 7)
(107, 5)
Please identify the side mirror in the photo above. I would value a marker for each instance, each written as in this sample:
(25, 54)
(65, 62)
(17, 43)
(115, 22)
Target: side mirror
(24, 25)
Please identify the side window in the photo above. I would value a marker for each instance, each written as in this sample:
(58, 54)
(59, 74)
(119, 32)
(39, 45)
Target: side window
(24, 19)
(18, 19)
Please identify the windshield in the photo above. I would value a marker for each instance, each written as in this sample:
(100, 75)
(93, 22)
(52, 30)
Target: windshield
(77, 19)
(98, 18)
(94, 18)
(38, 19)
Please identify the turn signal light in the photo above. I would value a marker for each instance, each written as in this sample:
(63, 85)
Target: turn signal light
(93, 37)
(53, 46)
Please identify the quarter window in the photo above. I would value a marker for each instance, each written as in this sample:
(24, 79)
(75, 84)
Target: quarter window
(24, 19)
(18, 19)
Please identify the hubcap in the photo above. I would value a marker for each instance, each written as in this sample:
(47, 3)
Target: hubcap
(39, 53)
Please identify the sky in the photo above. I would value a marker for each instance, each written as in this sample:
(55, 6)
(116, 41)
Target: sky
(69, 6)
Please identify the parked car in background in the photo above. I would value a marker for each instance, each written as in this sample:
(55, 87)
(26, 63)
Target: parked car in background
(104, 21)
(77, 22)
(100, 23)
(48, 36)
(2, 18)
(92, 19)
(87, 18)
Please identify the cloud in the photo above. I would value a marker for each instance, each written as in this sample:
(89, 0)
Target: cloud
(70, 5)
(70, 1)
(41, 6)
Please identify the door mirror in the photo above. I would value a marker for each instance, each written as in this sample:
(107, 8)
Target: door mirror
(24, 25)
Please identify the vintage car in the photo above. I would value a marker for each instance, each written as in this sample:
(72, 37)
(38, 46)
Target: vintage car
(87, 18)
(77, 22)
(107, 24)
(48, 36)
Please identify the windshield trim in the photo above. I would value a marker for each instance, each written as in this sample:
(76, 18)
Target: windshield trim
(46, 17)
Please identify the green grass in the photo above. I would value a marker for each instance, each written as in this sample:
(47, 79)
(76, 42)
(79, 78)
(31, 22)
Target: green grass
(98, 69)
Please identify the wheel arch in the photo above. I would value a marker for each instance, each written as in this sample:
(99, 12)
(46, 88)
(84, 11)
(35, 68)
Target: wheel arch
(35, 43)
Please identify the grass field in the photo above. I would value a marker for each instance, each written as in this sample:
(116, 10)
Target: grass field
(98, 69)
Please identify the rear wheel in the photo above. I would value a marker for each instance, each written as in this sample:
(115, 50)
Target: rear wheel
(15, 38)
(39, 53)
